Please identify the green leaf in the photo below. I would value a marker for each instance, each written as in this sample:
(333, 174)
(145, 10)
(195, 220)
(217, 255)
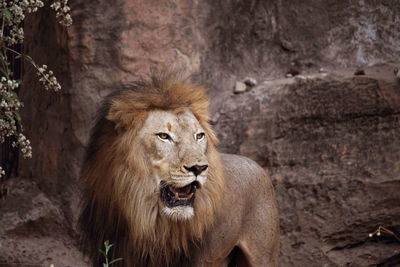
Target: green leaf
(17, 116)
(14, 94)
(28, 57)
(108, 248)
(18, 56)
(3, 72)
(9, 117)
(7, 98)
(22, 104)
(102, 252)
(7, 14)
(115, 260)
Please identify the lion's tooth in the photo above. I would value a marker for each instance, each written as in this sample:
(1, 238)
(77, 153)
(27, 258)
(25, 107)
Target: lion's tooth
(190, 196)
(176, 196)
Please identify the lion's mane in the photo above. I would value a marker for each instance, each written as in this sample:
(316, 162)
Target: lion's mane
(114, 205)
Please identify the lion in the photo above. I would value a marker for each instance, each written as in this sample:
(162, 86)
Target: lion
(156, 187)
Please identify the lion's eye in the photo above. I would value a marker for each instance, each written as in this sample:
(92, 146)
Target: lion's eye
(163, 136)
(199, 136)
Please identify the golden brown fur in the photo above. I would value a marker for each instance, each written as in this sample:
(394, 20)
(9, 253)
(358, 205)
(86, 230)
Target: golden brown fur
(116, 170)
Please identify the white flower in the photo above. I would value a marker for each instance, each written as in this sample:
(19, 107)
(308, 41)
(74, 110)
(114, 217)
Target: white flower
(55, 6)
(48, 79)
(13, 33)
(2, 172)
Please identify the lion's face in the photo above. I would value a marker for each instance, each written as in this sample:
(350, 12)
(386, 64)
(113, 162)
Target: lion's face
(175, 145)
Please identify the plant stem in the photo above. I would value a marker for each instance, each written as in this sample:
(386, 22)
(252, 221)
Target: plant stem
(4, 63)
(30, 60)
(385, 230)
(25, 57)
(2, 28)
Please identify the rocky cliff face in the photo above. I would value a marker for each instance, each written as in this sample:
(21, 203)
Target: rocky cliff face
(330, 143)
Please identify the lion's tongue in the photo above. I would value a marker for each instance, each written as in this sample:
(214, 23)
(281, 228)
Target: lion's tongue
(181, 191)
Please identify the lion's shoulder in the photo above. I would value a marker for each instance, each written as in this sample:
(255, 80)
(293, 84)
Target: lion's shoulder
(237, 165)
(244, 175)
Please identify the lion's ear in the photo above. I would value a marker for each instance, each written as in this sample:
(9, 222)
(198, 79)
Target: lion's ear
(125, 116)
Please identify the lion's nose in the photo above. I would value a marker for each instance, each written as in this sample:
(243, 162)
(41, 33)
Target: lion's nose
(196, 169)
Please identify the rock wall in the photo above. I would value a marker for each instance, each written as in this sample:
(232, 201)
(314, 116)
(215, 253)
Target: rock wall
(330, 144)
(267, 38)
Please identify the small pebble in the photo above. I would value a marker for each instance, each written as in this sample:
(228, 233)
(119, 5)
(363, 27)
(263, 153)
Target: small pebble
(250, 81)
(240, 87)
(299, 78)
(397, 73)
(322, 70)
(294, 72)
(359, 72)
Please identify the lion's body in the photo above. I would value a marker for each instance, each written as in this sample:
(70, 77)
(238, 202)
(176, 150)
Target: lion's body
(155, 186)
(247, 224)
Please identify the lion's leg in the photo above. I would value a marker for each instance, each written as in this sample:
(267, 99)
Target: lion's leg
(260, 237)
(224, 263)
(261, 249)
(236, 258)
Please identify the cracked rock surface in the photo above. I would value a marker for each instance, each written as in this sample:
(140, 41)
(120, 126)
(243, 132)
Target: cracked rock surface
(33, 230)
(332, 147)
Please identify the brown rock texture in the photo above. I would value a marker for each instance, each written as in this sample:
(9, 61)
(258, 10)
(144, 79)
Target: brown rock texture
(331, 144)
(267, 38)
(34, 231)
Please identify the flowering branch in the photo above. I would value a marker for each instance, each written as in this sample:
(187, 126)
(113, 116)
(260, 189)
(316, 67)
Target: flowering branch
(382, 229)
(12, 15)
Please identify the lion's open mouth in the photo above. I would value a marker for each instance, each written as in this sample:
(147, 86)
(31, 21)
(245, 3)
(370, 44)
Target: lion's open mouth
(183, 196)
